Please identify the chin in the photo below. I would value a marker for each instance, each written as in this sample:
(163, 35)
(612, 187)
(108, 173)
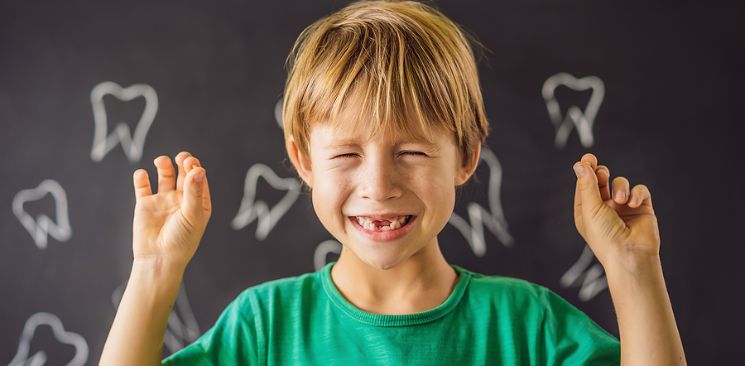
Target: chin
(382, 262)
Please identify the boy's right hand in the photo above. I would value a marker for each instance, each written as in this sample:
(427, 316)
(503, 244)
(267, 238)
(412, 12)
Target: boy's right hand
(168, 225)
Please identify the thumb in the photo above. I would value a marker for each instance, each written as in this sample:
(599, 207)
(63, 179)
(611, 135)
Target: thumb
(587, 189)
(192, 205)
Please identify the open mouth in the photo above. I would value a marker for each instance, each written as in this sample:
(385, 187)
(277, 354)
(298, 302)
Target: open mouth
(383, 225)
(383, 230)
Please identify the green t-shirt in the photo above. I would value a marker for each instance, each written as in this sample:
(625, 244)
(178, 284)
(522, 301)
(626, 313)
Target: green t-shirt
(486, 320)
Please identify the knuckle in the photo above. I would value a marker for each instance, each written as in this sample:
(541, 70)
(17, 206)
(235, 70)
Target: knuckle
(166, 173)
(645, 191)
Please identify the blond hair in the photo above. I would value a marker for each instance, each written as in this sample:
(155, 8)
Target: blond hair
(409, 66)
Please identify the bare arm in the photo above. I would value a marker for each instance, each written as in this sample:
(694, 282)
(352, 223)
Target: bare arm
(136, 337)
(621, 229)
(167, 228)
(649, 335)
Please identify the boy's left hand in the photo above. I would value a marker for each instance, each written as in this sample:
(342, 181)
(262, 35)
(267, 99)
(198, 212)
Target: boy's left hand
(621, 229)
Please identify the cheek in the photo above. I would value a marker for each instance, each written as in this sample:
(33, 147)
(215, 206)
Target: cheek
(440, 193)
(328, 197)
(437, 192)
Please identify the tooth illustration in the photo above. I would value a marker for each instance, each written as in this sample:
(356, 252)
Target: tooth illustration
(574, 117)
(323, 250)
(251, 209)
(592, 276)
(40, 358)
(132, 145)
(182, 327)
(478, 216)
(43, 225)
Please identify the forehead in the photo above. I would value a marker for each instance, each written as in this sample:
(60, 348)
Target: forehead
(328, 135)
(356, 125)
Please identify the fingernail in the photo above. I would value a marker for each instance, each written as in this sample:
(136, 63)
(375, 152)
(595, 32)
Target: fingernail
(579, 170)
(620, 195)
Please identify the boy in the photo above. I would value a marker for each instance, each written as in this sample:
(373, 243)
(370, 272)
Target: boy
(383, 119)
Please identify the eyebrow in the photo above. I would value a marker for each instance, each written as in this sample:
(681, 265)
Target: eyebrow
(354, 143)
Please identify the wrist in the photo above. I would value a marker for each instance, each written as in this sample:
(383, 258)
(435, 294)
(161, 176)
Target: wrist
(630, 263)
(162, 273)
(158, 264)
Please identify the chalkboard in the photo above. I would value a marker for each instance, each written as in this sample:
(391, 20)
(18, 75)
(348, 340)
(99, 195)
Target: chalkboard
(91, 91)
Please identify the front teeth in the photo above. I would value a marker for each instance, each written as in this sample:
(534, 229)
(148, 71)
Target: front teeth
(395, 224)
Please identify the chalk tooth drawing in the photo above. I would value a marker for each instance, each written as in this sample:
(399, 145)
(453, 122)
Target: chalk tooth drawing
(251, 209)
(182, 327)
(43, 226)
(278, 112)
(322, 251)
(22, 357)
(575, 116)
(132, 145)
(478, 216)
(592, 276)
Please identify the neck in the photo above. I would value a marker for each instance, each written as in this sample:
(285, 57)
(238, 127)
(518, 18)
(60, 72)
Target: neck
(420, 283)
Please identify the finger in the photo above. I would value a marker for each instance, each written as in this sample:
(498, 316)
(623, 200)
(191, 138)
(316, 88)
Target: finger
(603, 174)
(181, 171)
(190, 163)
(206, 199)
(193, 188)
(590, 159)
(587, 187)
(620, 190)
(166, 174)
(640, 195)
(141, 184)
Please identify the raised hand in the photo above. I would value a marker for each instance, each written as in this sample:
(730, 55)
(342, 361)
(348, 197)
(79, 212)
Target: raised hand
(168, 225)
(618, 228)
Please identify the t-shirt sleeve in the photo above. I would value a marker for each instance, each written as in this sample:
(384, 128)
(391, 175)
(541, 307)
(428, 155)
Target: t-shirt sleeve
(231, 340)
(570, 337)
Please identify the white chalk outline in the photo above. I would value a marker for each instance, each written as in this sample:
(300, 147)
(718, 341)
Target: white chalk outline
(583, 120)
(182, 327)
(40, 358)
(478, 216)
(322, 251)
(132, 146)
(251, 210)
(592, 276)
(43, 225)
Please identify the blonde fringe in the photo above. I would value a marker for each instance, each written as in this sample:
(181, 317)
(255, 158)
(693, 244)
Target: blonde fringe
(397, 67)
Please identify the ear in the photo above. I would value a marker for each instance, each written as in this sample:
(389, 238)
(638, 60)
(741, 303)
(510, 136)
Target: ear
(300, 162)
(467, 168)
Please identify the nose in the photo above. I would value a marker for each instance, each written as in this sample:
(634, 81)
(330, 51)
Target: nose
(380, 179)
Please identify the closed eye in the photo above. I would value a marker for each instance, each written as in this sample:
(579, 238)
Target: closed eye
(412, 153)
(416, 153)
(350, 155)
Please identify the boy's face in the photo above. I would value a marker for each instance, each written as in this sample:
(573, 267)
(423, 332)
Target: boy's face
(353, 175)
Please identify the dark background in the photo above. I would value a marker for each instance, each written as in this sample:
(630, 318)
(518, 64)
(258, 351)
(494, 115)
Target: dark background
(670, 119)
